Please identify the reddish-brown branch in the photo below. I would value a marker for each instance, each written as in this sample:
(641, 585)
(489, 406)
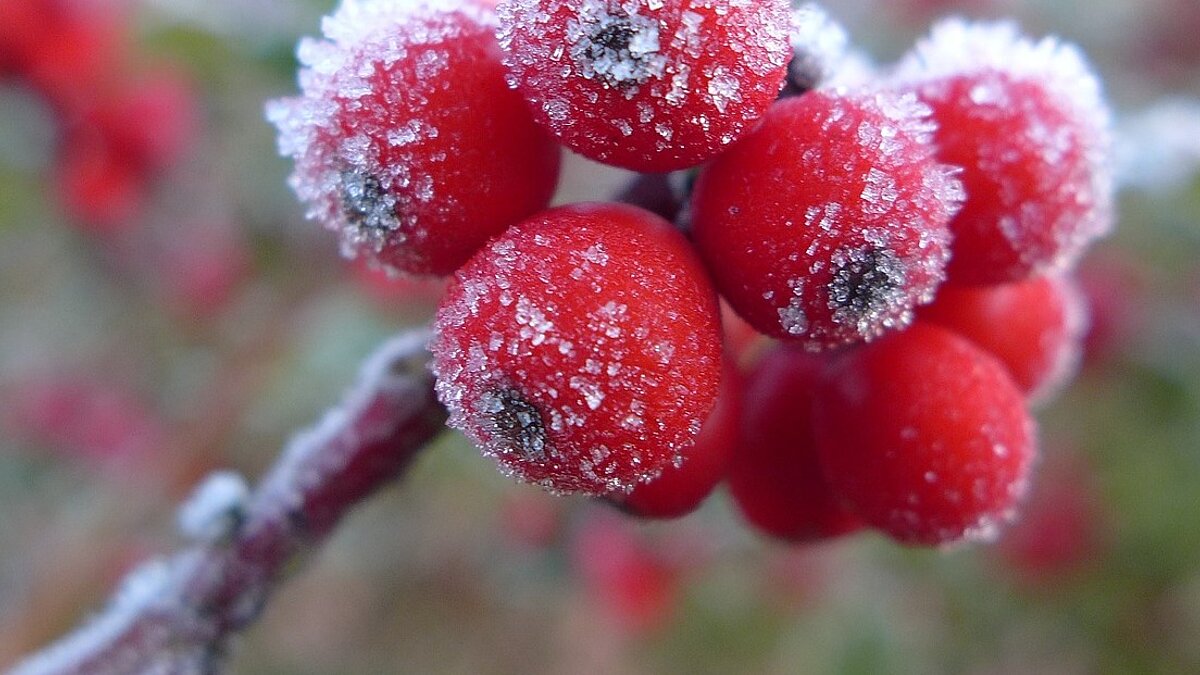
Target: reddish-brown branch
(178, 615)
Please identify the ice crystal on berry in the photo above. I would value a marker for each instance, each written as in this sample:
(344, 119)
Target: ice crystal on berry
(828, 224)
(581, 349)
(651, 85)
(819, 45)
(1027, 122)
(866, 283)
(516, 421)
(617, 48)
(400, 101)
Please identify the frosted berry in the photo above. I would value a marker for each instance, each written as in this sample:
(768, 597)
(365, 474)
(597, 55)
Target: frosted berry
(1036, 327)
(649, 85)
(681, 489)
(775, 477)
(406, 138)
(581, 349)
(925, 436)
(1027, 123)
(827, 224)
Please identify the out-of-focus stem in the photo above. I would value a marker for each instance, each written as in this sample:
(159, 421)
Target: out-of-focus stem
(179, 614)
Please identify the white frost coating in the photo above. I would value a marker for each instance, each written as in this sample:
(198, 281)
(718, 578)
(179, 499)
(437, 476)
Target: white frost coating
(956, 47)
(554, 384)
(314, 453)
(878, 247)
(1068, 358)
(1158, 149)
(821, 53)
(619, 48)
(216, 507)
(147, 586)
(367, 187)
(632, 65)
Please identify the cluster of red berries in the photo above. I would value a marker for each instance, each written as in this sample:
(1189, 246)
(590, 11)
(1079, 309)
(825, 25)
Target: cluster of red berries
(903, 236)
(118, 126)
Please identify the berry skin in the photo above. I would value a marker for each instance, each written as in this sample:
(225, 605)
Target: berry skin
(581, 349)
(1027, 124)
(827, 224)
(681, 489)
(775, 477)
(407, 140)
(924, 436)
(1036, 327)
(648, 85)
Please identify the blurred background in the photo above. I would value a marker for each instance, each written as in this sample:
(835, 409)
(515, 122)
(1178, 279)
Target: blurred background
(165, 310)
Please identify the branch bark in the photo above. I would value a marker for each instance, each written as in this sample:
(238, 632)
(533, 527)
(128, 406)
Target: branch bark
(179, 614)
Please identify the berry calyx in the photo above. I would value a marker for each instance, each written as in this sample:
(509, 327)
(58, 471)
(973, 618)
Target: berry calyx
(407, 140)
(775, 476)
(925, 436)
(1036, 327)
(1027, 123)
(581, 349)
(648, 85)
(827, 224)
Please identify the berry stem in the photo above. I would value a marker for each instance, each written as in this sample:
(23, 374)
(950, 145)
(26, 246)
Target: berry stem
(179, 614)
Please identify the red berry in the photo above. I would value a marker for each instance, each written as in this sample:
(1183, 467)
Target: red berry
(827, 224)
(924, 436)
(83, 418)
(1117, 292)
(581, 348)
(681, 489)
(1062, 524)
(152, 120)
(407, 140)
(633, 583)
(100, 187)
(71, 51)
(743, 344)
(649, 85)
(1034, 327)
(775, 477)
(1027, 124)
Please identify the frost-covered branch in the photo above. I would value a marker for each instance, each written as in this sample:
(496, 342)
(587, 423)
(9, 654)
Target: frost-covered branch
(178, 614)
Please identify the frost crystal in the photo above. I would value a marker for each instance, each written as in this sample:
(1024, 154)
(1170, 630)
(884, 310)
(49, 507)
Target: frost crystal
(645, 84)
(216, 508)
(1040, 162)
(956, 47)
(359, 129)
(868, 286)
(617, 47)
(516, 422)
(819, 45)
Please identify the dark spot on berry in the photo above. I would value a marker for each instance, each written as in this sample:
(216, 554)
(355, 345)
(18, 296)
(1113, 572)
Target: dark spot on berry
(614, 36)
(618, 49)
(518, 423)
(866, 283)
(366, 204)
